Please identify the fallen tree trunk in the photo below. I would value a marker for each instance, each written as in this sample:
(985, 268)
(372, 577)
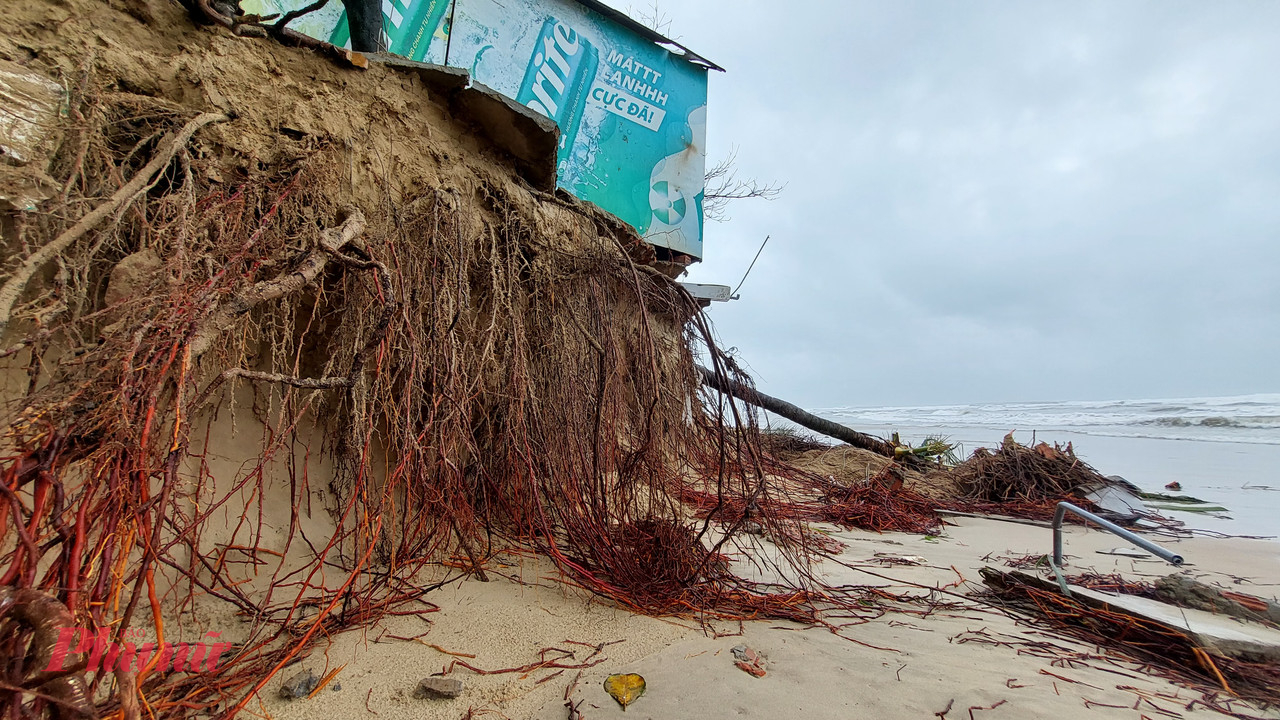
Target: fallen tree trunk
(797, 415)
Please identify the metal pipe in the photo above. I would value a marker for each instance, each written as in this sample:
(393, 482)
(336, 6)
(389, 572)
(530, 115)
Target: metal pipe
(448, 39)
(1138, 540)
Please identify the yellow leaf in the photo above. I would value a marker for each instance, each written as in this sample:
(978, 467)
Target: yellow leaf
(624, 688)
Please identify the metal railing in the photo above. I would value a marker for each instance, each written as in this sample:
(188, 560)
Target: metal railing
(1065, 507)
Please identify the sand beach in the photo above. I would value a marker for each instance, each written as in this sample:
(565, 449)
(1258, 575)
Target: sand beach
(903, 664)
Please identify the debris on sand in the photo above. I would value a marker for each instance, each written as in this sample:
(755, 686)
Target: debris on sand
(1188, 592)
(299, 685)
(1163, 649)
(782, 441)
(625, 688)
(1020, 473)
(438, 688)
(748, 660)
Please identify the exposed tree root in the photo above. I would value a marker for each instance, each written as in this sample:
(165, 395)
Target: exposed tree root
(168, 148)
(510, 372)
(331, 241)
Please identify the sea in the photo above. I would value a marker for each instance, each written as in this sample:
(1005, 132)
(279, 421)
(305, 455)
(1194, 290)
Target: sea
(1223, 450)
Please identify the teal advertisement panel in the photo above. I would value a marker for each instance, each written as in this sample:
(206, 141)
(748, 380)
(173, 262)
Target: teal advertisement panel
(418, 30)
(632, 114)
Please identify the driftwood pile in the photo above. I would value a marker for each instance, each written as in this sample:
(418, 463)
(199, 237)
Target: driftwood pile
(1016, 473)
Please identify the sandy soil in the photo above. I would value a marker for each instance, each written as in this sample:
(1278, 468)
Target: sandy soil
(852, 466)
(898, 666)
(503, 623)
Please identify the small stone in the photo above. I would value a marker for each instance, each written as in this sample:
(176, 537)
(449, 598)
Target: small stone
(746, 654)
(132, 275)
(299, 686)
(437, 688)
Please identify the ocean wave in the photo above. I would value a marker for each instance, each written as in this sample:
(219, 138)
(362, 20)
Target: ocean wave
(1247, 418)
(1134, 432)
(1170, 422)
(1255, 422)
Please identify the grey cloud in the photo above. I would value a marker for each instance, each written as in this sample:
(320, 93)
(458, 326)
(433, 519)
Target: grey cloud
(1000, 200)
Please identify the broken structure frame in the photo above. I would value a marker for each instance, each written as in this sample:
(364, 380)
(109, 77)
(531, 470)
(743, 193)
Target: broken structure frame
(1060, 514)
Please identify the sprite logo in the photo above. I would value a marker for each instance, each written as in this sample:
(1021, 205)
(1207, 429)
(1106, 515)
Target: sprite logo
(667, 202)
(551, 70)
(557, 79)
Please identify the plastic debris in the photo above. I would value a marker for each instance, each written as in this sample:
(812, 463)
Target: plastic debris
(749, 660)
(624, 688)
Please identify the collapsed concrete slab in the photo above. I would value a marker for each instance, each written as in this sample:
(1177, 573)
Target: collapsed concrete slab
(438, 78)
(530, 138)
(1222, 634)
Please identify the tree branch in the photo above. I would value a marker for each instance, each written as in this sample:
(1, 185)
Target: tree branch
(289, 17)
(308, 270)
(722, 186)
(325, 383)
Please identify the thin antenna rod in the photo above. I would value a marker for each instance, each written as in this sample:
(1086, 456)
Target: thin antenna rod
(753, 264)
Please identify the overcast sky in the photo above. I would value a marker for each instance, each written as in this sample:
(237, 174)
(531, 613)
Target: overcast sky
(998, 201)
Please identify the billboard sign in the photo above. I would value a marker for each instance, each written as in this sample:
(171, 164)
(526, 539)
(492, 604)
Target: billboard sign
(632, 114)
